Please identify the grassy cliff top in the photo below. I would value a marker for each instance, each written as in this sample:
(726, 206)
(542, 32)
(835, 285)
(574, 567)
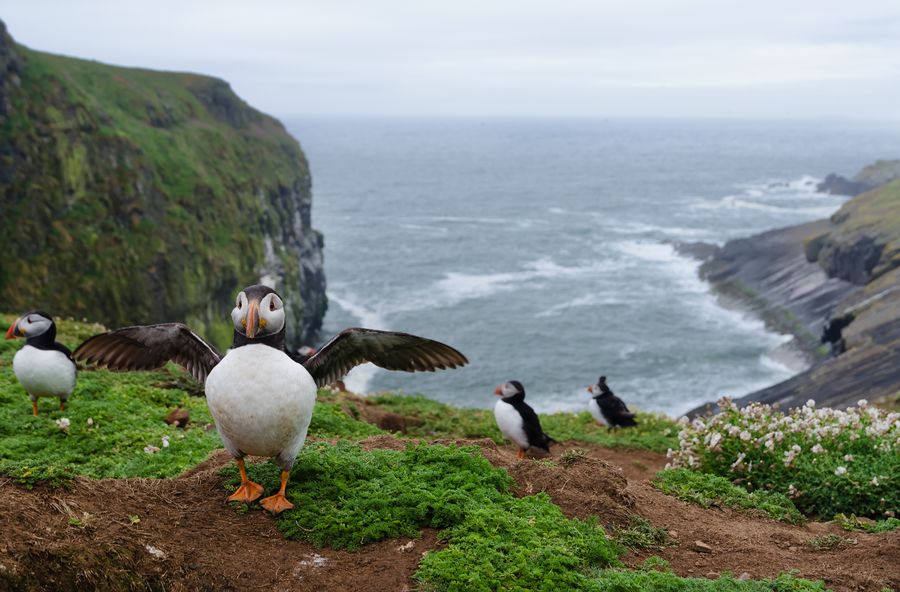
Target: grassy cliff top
(133, 196)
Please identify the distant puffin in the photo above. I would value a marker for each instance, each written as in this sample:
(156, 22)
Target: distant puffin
(517, 420)
(261, 398)
(44, 367)
(608, 409)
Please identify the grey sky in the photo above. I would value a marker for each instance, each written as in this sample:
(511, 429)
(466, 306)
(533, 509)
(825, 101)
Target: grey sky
(685, 58)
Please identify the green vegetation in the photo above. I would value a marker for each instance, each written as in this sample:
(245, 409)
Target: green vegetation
(828, 461)
(861, 524)
(829, 542)
(640, 534)
(710, 490)
(640, 581)
(113, 176)
(438, 420)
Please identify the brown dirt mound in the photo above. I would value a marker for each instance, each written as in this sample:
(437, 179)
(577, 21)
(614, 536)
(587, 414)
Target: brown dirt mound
(189, 539)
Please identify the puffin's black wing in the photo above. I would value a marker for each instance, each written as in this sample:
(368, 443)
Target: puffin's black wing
(147, 347)
(532, 426)
(387, 349)
(616, 412)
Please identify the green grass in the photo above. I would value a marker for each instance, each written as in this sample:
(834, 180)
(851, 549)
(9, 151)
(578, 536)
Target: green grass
(640, 534)
(708, 490)
(829, 542)
(859, 524)
(656, 433)
(656, 581)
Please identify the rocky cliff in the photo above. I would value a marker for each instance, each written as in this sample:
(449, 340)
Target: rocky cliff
(835, 285)
(134, 196)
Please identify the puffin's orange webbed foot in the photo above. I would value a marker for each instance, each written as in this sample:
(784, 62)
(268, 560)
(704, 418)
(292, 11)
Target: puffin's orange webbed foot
(520, 454)
(62, 405)
(278, 503)
(248, 491)
(34, 411)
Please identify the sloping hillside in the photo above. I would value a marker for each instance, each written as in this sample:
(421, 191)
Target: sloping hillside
(133, 196)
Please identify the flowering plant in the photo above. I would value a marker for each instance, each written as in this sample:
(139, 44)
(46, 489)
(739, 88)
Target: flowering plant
(827, 460)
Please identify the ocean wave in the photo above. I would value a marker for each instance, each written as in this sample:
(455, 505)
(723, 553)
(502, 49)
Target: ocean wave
(736, 202)
(578, 302)
(624, 227)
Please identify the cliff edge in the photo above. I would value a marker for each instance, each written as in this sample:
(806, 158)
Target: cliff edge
(835, 285)
(135, 196)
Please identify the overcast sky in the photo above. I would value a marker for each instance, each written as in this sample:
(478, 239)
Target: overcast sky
(607, 58)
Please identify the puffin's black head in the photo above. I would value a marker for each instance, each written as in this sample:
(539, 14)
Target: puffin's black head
(598, 389)
(510, 389)
(31, 324)
(258, 312)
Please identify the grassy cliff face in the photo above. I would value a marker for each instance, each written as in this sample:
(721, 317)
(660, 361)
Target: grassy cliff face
(863, 242)
(134, 196)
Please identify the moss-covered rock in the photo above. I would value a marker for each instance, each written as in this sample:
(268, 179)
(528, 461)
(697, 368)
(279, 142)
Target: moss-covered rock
(134, 196)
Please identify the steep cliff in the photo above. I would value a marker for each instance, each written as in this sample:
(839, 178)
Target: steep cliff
(132, 196)
(835, 282)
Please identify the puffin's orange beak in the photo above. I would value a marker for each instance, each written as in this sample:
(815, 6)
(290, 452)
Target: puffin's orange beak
(589, 389)
(12, 332)
(252, 319)
(499, 390)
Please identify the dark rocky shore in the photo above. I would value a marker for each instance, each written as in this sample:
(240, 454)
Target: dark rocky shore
(834, 285)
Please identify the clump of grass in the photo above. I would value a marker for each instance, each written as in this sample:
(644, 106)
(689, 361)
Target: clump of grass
(619, 580)
(654, 432)
(829, 542)
(331, 420)
(640, 534)
(865, 525)
(708, 490)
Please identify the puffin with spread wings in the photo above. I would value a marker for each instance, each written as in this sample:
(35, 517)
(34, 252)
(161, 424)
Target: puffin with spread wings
(260, 396)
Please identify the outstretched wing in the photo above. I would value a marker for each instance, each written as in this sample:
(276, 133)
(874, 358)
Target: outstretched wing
(147, 347)
(387, 349)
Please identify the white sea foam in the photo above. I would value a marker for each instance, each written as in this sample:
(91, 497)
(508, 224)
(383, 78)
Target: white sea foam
(578, 302)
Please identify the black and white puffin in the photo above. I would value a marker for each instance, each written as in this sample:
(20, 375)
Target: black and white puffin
(261, 398)
(44, 367)
(517, 420)
(608, 409)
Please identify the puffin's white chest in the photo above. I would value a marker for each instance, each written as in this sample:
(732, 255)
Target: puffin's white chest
(510, 423)
(594, 408)
(262, 401)
(44, 372)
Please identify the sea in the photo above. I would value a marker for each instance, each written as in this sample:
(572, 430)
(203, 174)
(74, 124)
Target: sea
(543, 248)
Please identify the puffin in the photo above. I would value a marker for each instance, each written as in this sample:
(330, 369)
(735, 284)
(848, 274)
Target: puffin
(517, 420)
(608, 409)
(43, 366)
(260, 397)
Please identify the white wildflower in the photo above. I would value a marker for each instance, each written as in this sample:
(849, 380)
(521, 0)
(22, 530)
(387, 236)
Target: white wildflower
(817, 449)
(862, 403)
(874, 481)
(810, 404)
(848, 457)
(150, 449)
(840, 471)
(713, 441)
(745, 435)
(165, 441)
(736, 465)
(90, 421)
(63, 423)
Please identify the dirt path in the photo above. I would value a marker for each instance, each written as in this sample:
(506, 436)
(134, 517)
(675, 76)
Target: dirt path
(188, 539)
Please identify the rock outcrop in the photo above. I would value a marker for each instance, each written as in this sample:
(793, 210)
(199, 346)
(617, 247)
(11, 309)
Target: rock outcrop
(872, 176)
(835, 285)
(134, 196)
